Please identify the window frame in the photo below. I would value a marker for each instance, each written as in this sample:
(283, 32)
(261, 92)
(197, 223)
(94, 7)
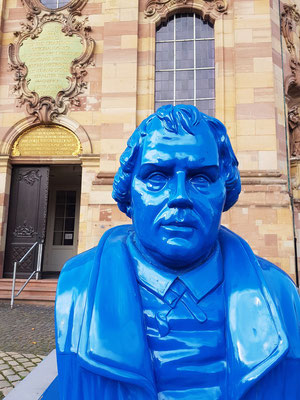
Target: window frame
(175, 100)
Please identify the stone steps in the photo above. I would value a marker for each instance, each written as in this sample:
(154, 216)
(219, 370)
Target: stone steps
(36, 290)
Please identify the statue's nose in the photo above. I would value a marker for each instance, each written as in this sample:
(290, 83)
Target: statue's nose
(179, 198)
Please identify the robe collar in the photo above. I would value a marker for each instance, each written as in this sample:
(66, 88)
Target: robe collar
(201, 280)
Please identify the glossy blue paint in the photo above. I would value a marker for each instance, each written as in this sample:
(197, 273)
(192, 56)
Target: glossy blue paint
(175, 306)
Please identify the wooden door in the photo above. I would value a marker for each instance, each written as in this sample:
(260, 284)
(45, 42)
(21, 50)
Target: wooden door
(27, 217)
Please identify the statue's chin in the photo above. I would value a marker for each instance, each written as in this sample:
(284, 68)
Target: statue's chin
(178, 253)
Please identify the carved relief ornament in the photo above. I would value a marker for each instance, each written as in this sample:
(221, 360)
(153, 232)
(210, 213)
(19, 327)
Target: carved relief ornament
(46, 108)
(294, 127)
(209, 9)
(290, 28)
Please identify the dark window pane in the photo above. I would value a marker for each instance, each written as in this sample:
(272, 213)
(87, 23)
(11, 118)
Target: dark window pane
(164, 85)
(69, 224)
(187, 102)
(205, 86)
(60, 196)
(161, 103)
(57, 238)
(59, 224)
(68, 238)
(206, 106)
(205, 53)
(60, 210)
(70, 210)
(185, 54)
(164, 56)
(184, 85)
(71, 197)
(184, 26)
(166, 30)
(203, 29)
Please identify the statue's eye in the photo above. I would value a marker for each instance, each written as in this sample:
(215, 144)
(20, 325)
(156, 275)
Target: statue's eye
(200, 181)
(156, 181)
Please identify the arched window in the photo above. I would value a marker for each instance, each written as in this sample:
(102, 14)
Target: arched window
(185, 63)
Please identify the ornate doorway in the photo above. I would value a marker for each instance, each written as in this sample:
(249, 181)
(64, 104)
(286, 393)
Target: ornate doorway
(44, 208)
(27, 217)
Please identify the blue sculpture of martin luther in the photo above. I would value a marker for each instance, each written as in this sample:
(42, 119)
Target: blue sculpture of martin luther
(175, 306)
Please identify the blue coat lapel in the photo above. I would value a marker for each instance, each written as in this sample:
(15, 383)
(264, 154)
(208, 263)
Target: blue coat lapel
(256, 340)
(113, 340)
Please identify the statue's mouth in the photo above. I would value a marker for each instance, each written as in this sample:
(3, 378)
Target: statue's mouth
(179, 227)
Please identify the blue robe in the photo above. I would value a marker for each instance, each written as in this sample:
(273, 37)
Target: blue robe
(102, 348)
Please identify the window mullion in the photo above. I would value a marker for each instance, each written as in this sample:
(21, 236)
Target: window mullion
(194, 34)
(174, 60)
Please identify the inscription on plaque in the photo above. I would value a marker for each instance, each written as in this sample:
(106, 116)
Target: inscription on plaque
(48, 59)
(46, 140)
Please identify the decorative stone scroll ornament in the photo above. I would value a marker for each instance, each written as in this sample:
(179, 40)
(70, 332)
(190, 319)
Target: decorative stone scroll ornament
(73, 37)
(209, 9)
(294, 126)
(290, 27)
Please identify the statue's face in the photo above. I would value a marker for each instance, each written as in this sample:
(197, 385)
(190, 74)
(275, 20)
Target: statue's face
(177, 197)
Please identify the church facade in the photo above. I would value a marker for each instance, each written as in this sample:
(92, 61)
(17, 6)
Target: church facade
(77, 77)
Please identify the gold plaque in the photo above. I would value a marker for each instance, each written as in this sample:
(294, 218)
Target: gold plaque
(47, 140)
(48, 59)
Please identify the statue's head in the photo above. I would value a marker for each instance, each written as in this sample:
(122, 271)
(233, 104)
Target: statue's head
(177, 175)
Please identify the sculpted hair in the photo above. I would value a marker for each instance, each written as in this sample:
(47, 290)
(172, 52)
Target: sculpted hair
(175, 119)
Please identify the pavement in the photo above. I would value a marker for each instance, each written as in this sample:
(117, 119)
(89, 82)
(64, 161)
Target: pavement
(26, 337)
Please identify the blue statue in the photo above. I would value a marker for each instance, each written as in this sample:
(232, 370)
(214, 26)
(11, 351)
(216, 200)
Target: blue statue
(176, 306)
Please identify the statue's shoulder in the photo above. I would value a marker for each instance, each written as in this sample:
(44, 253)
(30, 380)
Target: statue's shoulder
(278, 281)
(78, 268)
(73, 288)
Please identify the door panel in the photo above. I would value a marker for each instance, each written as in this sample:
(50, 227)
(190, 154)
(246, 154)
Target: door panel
(62, 228)
(27, 217)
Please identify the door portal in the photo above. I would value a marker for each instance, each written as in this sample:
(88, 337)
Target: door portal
(44, 207)
(27, 217)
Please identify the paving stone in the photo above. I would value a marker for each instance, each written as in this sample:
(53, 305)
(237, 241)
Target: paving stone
(18, 368)
(22, 359)
(1, 361)
(13, 378)
(7, 358)
(36, 360)
(29, 355)
(4, 384)
(5, 391)
(23, 373)
(8, 371)
(28, 364)
(12, 363)
(3, 366)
